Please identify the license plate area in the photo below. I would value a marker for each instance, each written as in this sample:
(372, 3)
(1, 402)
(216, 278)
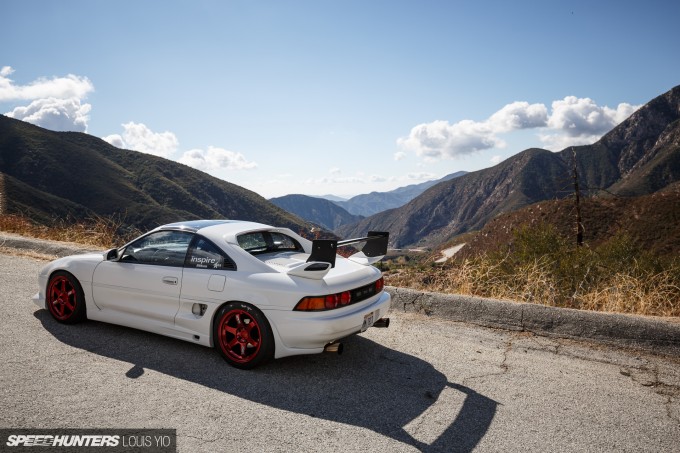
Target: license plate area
(369, 319)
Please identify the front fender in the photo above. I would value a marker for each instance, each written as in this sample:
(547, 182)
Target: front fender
(80, 266)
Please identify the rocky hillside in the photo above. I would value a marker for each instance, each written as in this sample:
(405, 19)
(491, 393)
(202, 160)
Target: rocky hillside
(56, 175)
(316, 210)
(651, 221)
(640, 156)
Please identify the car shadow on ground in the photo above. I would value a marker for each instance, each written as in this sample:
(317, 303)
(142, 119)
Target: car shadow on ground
(369, 386)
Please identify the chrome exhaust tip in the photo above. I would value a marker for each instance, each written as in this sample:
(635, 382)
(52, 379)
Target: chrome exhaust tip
(382, 322)
(334, 347)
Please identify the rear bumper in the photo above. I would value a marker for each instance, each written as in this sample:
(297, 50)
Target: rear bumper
(308, 332)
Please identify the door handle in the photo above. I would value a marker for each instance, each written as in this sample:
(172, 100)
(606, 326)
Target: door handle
(170, 280)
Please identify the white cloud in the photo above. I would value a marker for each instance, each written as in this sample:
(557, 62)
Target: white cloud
(572, 121)
(558, 142)
(56, 103)
(518, 115)
(115, 140)
(68, 87)
(399, 155)
(421, 176)
(139, 137)
(336, 180)
(440, 139)
(335, 177)
(216, 158)
(575, 116)
(55, 114)
(496, 159)
(347, 180)
(580, 121)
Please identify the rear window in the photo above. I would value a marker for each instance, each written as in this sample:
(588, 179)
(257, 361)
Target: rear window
(268, 242)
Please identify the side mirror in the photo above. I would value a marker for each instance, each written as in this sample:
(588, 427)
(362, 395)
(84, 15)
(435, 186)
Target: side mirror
(111, 255)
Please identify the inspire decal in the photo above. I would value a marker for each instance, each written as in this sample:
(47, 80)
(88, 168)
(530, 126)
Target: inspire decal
(202, 261)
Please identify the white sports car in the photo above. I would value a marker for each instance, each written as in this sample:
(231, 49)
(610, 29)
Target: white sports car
(251, 290)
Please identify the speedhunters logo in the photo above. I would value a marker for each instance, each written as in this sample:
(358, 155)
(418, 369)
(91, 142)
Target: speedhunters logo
(85, 440)
(47, 440)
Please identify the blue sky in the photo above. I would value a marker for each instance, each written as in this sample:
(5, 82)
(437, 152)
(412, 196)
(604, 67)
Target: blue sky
(341, 97)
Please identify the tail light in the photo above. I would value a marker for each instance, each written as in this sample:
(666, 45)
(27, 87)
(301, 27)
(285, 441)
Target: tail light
(379, 285)
(339, 300)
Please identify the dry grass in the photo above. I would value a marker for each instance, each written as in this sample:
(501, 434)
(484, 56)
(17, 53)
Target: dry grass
(540, 268)
(622, 292)
(483, 278)
(653, 295)
(98, 231)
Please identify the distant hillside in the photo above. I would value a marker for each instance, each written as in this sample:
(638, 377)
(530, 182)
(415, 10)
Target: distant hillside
(651, 221)
(317, 210)
(330, 197)
(640, 156)
(54, 175)
(466, 203)
(374, 202)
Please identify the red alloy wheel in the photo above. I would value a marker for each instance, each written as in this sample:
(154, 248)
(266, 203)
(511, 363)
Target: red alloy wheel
(62, 298)
(239, 336)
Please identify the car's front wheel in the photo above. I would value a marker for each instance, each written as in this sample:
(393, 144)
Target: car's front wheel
(243, 336)
(65, 299)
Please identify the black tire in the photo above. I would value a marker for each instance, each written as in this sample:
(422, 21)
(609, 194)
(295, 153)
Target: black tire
(65, 299)
(242, 334)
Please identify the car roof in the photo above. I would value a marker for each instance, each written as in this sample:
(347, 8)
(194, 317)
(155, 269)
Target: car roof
(220, 227)
(228, 230)
(194, 225)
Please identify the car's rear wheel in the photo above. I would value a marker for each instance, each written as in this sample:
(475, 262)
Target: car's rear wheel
(243, 336)
(65, 299)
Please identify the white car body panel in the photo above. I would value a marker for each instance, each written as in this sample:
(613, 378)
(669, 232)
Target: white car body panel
(143, 290)
(163, 299)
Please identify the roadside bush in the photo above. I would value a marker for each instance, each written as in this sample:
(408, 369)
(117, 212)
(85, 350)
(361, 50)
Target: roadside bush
(540, 266)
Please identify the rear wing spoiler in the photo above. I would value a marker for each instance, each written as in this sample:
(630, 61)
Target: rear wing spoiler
(373, 250)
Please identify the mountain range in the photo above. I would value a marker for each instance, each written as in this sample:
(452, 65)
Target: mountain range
(639, 156)
(332, 213)
(371, 203)
(70, 175)
(48, 175)
(321, 211)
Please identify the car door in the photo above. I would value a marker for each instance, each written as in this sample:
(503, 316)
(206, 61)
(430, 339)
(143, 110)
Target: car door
(205, 280)
(144, 283)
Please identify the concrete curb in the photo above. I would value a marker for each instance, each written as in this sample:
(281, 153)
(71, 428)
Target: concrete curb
(652, 334)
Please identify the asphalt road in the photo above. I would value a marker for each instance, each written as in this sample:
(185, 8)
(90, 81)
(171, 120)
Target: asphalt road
(423, 384)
